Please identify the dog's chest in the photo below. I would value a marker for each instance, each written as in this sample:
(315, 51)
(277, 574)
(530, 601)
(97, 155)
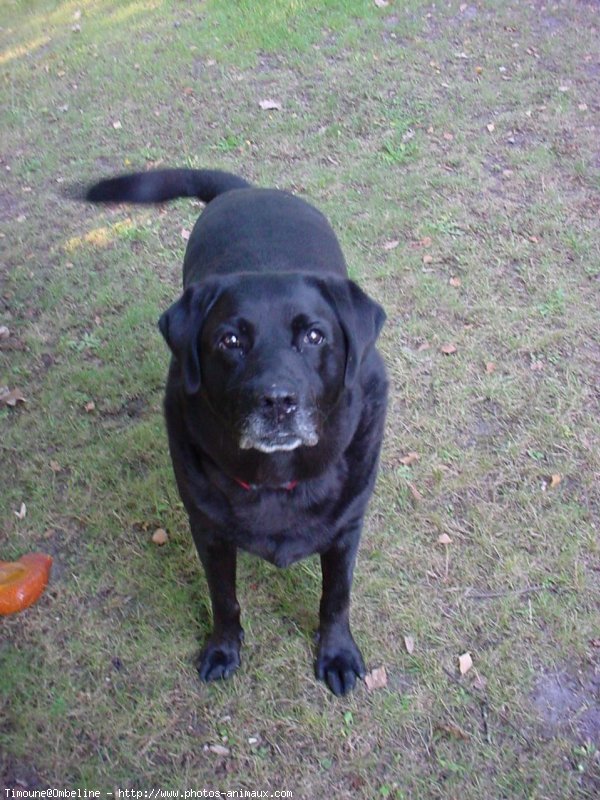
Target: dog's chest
(276, 526)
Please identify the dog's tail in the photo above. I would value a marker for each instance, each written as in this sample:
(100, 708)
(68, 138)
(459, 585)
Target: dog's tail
(160, 185)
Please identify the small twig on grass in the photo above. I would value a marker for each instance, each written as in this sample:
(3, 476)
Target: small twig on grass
(483, 707)
(486, 708)
(504, 592)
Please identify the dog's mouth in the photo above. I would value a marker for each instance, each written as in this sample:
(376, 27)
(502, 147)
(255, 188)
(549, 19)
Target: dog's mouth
(277, 443)
(274, 445)
(258, 434)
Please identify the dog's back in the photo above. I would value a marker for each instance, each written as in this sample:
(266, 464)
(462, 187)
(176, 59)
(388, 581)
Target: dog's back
(242, 229)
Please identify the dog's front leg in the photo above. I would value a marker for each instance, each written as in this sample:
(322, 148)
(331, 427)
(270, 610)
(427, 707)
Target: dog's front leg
(339, 661)
(220, 656)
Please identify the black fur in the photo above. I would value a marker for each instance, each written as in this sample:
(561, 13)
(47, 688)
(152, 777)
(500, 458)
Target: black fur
(275, 399)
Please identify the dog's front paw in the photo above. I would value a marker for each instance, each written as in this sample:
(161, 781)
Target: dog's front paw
(219, 659)
(339, 663)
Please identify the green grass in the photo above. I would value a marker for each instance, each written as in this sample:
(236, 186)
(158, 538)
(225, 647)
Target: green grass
(466, 133)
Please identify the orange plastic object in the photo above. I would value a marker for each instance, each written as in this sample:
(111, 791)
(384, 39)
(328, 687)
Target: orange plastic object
(23, 581)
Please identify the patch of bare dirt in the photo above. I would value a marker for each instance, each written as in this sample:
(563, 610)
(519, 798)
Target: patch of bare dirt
(19, 775)
(569, 702)
(11, 207)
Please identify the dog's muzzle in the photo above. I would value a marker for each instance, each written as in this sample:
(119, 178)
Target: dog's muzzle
(279, 422)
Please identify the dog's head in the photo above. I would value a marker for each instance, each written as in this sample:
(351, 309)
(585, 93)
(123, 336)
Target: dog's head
(271, 354)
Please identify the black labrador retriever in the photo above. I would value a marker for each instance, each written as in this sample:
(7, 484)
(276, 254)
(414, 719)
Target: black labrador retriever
(275, 399)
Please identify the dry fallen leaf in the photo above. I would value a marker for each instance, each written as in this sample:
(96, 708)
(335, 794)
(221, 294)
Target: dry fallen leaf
(448, 136)
(10, 397)
(465, 662)
(90, 406)
(270, 105)
(416, 494)
(376, 679)
(391, 245)
(555, 480)
(452, 730)
(490, 367)
(185, 234)
(409, 459)
(448, 349)
(443, 538)
(427, 259)
(55, 466)
(409, 643)
(22, 512)
(424, 242)
(160, 536)
(454, 281)
(219, 749)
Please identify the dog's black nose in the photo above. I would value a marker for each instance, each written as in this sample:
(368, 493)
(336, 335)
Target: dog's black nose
(279, 402)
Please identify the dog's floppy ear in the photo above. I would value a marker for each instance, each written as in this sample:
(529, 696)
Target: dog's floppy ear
(181, 325)
(360, 317)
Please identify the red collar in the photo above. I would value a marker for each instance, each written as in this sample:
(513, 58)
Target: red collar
(249, 487)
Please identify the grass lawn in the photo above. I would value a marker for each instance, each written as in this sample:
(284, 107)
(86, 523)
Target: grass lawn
(454, 146)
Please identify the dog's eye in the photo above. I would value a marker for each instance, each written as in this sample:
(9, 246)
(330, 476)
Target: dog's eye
(230, 342)
(314, 336)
